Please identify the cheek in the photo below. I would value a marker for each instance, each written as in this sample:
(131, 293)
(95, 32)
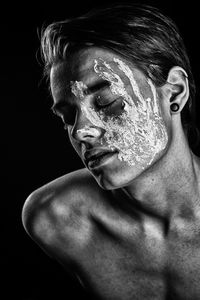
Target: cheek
(141, 134)
(138, 139)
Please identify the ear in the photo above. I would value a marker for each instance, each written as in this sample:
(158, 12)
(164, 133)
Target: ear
(176, 88)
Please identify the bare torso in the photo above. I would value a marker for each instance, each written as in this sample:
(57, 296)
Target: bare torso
(119, 253)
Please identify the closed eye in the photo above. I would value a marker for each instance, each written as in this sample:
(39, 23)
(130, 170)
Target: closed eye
(104, 103)
(114, 107)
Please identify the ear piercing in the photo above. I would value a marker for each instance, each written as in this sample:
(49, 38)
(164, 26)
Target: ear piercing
(174, 107)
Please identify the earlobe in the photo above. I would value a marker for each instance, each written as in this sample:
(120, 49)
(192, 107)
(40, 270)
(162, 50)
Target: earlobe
(174, 107)
(178, 89)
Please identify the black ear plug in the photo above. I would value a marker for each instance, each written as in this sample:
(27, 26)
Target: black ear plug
(174, 107)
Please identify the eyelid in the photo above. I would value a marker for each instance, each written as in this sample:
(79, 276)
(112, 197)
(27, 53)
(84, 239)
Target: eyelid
(105, 103)
(114, 108)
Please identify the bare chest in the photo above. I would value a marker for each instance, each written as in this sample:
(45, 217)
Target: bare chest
(124, 260)
(183, 264)
(130, 261)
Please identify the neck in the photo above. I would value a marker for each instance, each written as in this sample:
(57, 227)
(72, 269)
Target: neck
(172, 184)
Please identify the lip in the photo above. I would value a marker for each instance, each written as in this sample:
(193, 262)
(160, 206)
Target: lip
(95, 158)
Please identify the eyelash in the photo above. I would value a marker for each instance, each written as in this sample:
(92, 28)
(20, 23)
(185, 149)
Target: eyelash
(99, 105)
(110, 105)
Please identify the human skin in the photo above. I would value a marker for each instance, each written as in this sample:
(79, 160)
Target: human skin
(139, 180)
(132, 122)
(137, 131)
(130, 231)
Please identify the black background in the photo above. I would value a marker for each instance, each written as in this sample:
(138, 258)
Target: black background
(36, 149)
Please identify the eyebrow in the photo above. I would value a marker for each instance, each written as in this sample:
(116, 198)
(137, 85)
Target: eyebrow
(96, 86)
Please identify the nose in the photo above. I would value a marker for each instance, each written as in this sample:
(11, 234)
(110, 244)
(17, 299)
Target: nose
(88, 133)
(84, 131)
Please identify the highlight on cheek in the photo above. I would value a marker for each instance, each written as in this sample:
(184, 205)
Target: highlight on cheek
(139, 132)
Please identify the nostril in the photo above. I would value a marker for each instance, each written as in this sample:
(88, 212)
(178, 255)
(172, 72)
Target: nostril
(87, 131)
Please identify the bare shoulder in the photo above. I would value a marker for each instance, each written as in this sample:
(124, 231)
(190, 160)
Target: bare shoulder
(58, 212)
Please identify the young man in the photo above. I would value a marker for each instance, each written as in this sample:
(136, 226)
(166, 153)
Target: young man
(128, 224)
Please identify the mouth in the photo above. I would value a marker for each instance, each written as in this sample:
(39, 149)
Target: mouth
(100, 159)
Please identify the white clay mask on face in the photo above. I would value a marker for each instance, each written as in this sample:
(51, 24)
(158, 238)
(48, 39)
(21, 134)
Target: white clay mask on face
(139, 132)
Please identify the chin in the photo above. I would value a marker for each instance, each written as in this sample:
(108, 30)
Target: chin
(120, 174)
(117, 177)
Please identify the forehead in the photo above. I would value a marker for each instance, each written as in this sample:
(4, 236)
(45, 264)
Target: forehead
(80, 67)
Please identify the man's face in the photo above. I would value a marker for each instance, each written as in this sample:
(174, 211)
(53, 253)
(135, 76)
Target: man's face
(112, 113)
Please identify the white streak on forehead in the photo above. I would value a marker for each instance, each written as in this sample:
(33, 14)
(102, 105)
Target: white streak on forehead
(128, 72)
(104, 70)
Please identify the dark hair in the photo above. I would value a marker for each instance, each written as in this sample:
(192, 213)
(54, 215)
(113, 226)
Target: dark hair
(139, 33)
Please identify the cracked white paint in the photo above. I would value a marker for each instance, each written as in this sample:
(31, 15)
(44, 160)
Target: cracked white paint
(78, 88)
(138, 133)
